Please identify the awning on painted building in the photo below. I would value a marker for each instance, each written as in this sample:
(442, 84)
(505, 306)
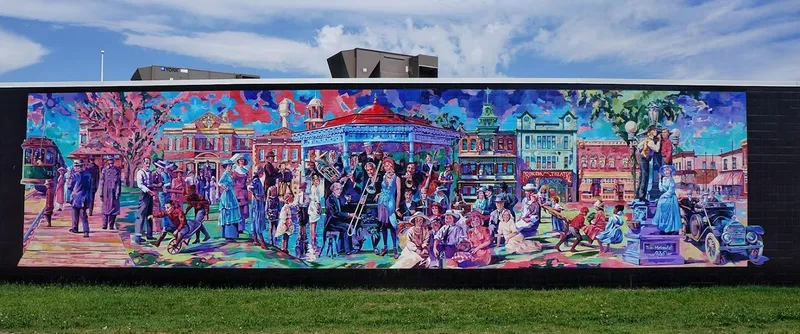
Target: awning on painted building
(732, 178)
(607, 175)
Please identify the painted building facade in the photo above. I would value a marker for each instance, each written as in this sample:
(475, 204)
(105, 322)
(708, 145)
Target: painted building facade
(206, 141)
(487, 156)
(605, 171)
(548, 153)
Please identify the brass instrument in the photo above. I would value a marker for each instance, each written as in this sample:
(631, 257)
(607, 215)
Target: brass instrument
(362, 202)
(327, 170)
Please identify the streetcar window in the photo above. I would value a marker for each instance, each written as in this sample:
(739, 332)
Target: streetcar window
(28, 156)
(49, 157)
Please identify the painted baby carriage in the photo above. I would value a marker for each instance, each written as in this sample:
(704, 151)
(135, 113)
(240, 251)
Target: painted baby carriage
(174, 247)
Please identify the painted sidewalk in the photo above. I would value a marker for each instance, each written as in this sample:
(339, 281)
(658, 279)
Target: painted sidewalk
(56, 247)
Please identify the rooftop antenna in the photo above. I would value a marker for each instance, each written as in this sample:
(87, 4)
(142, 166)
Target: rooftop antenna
(102, 65)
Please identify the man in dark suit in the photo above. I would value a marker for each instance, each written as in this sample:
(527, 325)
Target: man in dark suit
(338, 220)
(94, 171)
(490, 200)
(271, 173)
(81, 186)
(408, 206)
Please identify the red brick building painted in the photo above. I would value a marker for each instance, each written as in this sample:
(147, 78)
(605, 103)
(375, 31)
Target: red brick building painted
(207, 140)
(605, 170)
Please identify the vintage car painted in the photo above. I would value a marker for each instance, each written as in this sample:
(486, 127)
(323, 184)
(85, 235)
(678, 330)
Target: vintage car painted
(712, 223)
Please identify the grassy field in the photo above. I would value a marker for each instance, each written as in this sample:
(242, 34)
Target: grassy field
(107, 309)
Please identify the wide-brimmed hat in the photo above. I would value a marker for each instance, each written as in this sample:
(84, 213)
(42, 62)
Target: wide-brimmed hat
(666, 167)
(441, 189)
(436, 204)
(475, 214)
(598, 203)
(61, 169)
(529, 187)
(270, 154)
(226, 162)
(419, 215)
(482, 189)
(238, 156)
(160, 163)
(499, 199)
(453, 213)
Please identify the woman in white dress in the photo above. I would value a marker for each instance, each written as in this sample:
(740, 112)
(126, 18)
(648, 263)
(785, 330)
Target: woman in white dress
(315, 195)
(515, 243)
(416, 251)
(213, 190)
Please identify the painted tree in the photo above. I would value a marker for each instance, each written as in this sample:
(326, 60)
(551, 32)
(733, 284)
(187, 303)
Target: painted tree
(618, 108)
(131, 121)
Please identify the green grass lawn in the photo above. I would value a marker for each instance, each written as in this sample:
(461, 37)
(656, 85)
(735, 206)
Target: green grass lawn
(144, 309)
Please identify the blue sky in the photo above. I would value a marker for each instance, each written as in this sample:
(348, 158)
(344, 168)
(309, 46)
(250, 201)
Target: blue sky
(59, 40)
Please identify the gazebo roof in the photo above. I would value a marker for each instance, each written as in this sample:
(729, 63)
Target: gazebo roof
(376, 114)
(92, 148)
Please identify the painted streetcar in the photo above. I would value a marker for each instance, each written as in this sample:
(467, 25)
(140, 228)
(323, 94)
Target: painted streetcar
(41, 160)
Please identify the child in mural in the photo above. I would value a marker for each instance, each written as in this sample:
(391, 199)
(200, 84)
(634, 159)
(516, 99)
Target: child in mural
(61, 183)
(597, 224)
(302, 202)
(668, 212)
(515, 242)
(558, 223)
(494, 218)
(201, 208)
(49, 202)
(389, 205)
(213, 190)
(179, 228)
(229, 214)
(613, 232)
(416, 252)
(287, 219)
(285, 180)
(273, 209)
(177, 189)
(474, 250)
(449, 236)
(258, 206)
(240, 175)
(110, 192)
(574, 230)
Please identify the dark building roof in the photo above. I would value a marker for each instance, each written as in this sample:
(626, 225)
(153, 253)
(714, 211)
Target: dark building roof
(156, 72)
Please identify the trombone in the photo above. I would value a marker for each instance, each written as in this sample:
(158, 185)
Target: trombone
(362, 202)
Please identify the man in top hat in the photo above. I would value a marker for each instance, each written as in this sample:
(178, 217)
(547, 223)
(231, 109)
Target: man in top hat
(111, 189)
(271, 172)
(144, 181)
(81, 186)
(528, 223)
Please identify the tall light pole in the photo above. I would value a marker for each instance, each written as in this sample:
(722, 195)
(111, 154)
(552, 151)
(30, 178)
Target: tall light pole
(102, 65)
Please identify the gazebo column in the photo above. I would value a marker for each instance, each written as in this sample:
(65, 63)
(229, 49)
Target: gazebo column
(303, 161)
(345, 153)
(411, 146)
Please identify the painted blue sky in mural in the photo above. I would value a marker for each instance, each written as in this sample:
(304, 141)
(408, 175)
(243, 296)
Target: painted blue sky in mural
(714, 123)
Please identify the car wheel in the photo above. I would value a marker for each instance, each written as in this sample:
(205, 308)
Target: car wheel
(755, 254)
(712, 249)
(696, 227)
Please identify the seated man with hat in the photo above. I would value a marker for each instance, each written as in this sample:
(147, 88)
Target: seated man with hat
(447, 238)
(528, 223)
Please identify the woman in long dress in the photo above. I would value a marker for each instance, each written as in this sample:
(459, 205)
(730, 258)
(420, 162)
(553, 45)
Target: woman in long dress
(515, 243)
(668, 213)
(259, 218)
(613, 232)
(388, 205)
(229, 216)
(597, 221)
(240, 174)
(315, 195)
(61, 182)
(416, 252)
(213, 190)
(477, 252)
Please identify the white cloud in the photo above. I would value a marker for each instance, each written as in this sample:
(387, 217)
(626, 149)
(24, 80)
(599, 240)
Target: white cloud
(18, 52)
(716, 39)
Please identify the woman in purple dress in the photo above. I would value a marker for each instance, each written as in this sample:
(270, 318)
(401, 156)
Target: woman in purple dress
(239, 174)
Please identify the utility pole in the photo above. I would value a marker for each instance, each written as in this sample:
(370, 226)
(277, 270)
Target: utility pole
(102, 65)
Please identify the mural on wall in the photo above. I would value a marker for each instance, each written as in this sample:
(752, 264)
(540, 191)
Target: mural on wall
(414, 178)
